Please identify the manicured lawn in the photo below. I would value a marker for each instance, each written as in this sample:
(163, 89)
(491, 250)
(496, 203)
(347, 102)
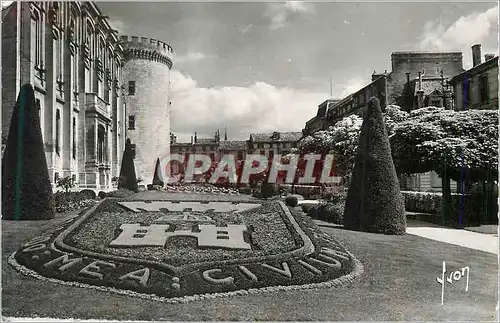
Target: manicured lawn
(399, 283)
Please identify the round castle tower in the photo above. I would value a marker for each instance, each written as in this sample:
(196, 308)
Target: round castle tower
(146, 77)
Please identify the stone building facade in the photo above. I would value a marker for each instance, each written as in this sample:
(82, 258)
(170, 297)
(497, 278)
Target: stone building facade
(146, 76)
(80, 70)
(477, 88)
(273, 143)
(72, 57)
(417, 79)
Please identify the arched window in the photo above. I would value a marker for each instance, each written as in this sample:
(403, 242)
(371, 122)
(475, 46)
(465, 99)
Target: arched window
(101, 134)
(74, 138)
(58, 130)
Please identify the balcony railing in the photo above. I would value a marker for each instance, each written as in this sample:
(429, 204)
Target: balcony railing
(95, 103)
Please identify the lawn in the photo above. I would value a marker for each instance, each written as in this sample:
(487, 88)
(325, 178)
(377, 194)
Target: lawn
(399, 283)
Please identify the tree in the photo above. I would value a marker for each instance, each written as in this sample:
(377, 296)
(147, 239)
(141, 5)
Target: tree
(374, 202)
(454, 144)
(26, 188)
(127, 171)
(157, 177)
(341, 140)
(66, 183)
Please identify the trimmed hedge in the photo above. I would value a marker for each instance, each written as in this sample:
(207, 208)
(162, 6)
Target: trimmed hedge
(292, 201)
(26, 187)
(90, 194)
(245, 190)
(374, 202)
(128, 179)
(328, 212)
(120, 193)
(268, 190)
(157, 177)
(475, 208)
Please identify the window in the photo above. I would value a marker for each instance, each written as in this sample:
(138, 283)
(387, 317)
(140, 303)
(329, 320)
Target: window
(58, 130)
(73, 178)
(467, 92)
(294, 145)
(74, 138)
(240, 155)
(131, 87)
(132, 148)
(74, 72)
(263, 152)
(101, 134)
(56, 177)
(435, 103)
(260, 146)
(271, 154)
(483, 89)
(59, 58)
(131, 122)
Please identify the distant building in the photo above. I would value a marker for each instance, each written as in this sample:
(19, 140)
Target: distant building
(273, 143)
(417, 79)
(477, 88)
(214, 147)
(320, 120)
(205, 146)
(237, 148)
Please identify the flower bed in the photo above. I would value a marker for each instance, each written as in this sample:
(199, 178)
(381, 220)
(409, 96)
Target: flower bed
(288, 252)
(200, 189)
(271, 236)
(72, 201)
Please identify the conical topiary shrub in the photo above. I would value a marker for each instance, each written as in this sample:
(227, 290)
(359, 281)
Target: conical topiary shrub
(374, 202)
(128, 179)
(26, 189)
(157, 178)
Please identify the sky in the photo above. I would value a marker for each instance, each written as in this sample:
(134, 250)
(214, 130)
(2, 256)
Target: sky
(263, 67)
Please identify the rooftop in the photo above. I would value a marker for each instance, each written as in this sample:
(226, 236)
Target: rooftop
(276, 136)
(491, 63)
(233, 145)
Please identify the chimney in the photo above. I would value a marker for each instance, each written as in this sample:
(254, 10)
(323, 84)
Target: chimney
(195, 137)
(476, 55)
(191, 140)
(487, 57)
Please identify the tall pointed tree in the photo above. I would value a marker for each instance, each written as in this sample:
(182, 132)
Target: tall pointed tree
(374, 202)
(128, 179)
(26, 189)
(157, 177)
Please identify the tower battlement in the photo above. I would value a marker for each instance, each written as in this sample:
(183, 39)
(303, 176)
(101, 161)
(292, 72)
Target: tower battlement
(146, 48)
